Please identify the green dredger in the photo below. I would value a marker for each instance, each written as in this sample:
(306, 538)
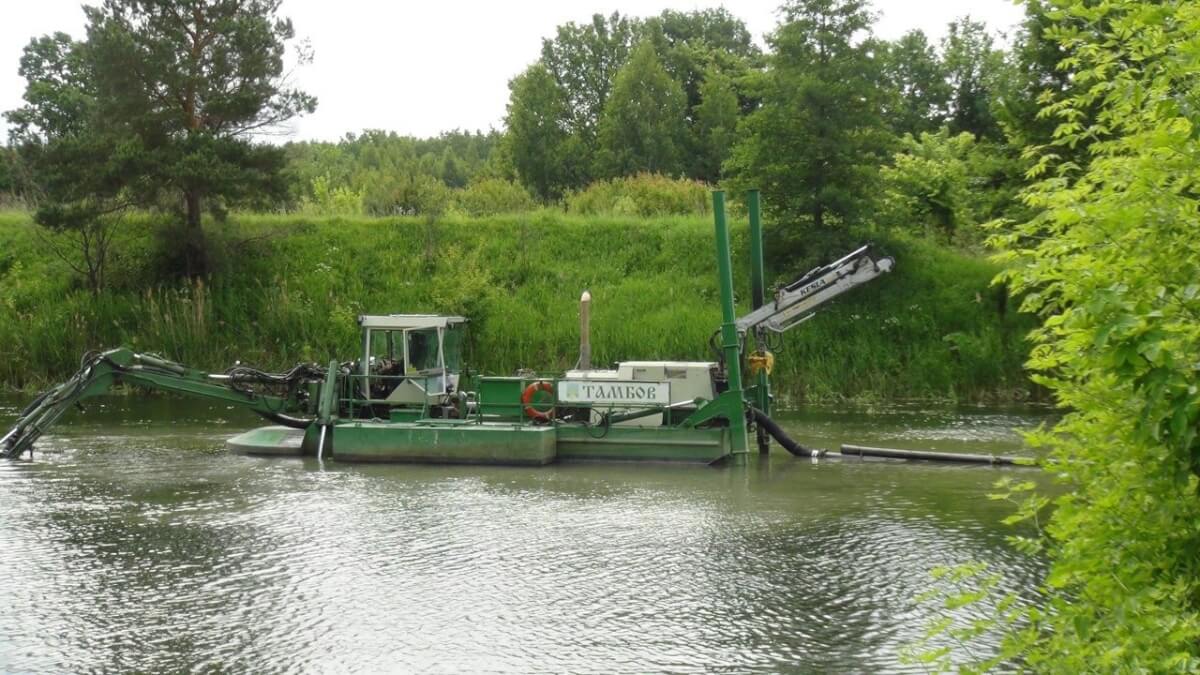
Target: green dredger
(406, 398)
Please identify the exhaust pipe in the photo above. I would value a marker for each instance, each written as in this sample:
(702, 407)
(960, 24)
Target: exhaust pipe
(585, 338)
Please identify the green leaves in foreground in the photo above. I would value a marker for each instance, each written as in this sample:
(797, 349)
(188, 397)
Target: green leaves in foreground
(1111, 264)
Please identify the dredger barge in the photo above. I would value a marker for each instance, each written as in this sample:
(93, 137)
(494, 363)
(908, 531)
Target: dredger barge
(406, 398)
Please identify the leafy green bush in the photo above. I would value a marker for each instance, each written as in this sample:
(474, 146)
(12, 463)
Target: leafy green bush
(947, 185)
(645, 194)
(405, 195)
(492, 196)
(926, 187)
(332, 200)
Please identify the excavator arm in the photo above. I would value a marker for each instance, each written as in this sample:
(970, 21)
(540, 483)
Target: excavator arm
(287, 398)
(798, 301)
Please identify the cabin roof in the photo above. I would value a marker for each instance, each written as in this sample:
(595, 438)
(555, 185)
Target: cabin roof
(408, 321)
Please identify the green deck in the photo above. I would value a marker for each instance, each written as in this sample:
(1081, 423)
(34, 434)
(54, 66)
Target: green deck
(451, 442)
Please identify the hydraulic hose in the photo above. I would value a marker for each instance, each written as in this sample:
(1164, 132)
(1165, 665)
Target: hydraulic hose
(761, 419)
(287, 420)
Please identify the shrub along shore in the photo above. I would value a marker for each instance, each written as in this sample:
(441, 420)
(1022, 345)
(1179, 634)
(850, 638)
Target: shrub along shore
(288, 288)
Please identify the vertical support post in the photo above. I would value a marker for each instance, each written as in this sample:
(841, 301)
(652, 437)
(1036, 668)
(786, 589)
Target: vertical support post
(729, 335)
(757, 285)
(327, 404)
(762, 388)
(585, 331)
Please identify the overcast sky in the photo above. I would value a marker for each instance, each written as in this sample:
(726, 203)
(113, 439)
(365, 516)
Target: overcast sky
(424, 67)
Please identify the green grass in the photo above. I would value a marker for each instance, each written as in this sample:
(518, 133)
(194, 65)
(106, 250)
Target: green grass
(288, 288)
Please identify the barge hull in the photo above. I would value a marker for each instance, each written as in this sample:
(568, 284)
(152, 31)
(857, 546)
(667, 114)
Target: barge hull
(488, 443)
(444, 444)
(642, 444)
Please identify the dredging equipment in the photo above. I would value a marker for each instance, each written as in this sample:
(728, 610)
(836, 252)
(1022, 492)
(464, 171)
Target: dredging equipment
(408, 398)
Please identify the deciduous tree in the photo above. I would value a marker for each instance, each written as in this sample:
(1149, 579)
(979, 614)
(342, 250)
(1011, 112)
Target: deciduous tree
(80, 166)
(538, 140)
(918, 84)
(815, 144)
(976, 69)
(715, 128)
(1110, 263)
(643, 128)
(583, 60)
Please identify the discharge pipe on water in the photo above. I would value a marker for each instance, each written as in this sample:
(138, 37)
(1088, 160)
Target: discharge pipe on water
(780, 436)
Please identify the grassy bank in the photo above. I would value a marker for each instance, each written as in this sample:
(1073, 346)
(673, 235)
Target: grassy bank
(288, 288)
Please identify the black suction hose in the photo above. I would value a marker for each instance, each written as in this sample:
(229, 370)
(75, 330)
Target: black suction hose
(761, 419)
(286, 420)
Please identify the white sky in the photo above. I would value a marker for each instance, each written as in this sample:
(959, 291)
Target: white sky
(423, 67)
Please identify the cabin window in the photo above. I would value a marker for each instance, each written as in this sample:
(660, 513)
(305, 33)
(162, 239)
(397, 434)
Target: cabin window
(423, 350)
(452, 342)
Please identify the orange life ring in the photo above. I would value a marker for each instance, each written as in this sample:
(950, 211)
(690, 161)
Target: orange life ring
(527, 400)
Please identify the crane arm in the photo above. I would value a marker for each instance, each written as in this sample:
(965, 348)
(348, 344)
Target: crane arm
(239, 386)
(798, 301)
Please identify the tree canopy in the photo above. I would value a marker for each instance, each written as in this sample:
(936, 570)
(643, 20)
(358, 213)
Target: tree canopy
(815, 143)
(182, 87)
(643, 128)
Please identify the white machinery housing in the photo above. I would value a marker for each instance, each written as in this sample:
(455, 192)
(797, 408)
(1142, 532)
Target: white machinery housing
(688, 380)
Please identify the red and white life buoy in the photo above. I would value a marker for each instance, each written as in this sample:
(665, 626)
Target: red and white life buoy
(531, 410)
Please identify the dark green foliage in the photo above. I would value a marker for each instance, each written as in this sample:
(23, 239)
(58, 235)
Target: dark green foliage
(691, 44)
(187, 82)
(715, 128)
(80, 164)
(815, 144)
(918, 86)
(584, 60)
(976, 70)
(60, 92)
(372, 158)
(8, 174)
(544, 152)
(556, 118)
(643, 128)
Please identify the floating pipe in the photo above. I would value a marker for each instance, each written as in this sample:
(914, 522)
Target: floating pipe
(893, 453)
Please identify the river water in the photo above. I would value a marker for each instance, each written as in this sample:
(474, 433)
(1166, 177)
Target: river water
(134, 542)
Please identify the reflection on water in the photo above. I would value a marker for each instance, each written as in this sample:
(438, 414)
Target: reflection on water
(134, 542)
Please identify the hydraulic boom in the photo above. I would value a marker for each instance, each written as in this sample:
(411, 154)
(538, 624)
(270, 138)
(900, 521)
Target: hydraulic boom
(287, 398)
(798, 301)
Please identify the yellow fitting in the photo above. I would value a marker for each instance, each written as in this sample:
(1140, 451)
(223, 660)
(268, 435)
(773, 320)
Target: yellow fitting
(762, 361)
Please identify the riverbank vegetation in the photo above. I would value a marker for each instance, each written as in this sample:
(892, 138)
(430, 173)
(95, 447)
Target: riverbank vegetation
(291, 288)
